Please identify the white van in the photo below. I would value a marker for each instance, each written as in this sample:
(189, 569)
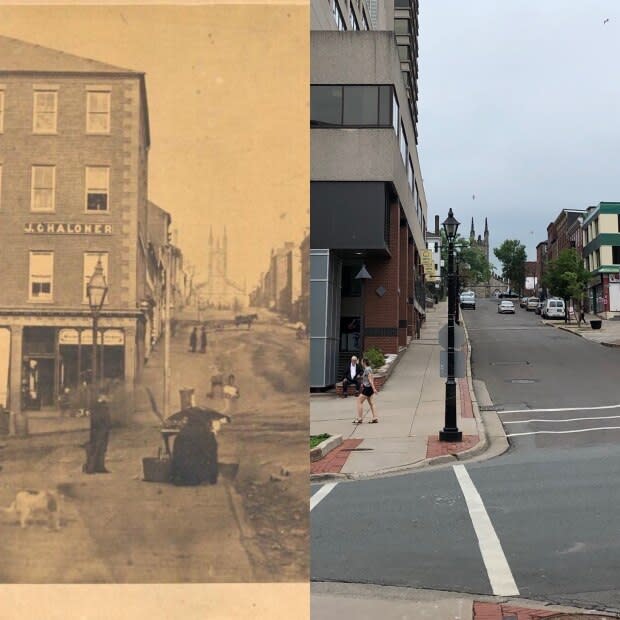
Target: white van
(554, 308)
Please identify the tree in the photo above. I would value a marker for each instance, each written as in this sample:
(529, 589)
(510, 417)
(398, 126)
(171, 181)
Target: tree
(512, 255)
(566, 277)
(479, 270)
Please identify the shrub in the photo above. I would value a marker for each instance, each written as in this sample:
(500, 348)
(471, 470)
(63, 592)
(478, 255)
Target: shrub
(375, 357)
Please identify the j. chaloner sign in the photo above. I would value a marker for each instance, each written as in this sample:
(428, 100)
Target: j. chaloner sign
(59, 228)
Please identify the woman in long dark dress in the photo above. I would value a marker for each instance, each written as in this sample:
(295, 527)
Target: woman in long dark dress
(194, 456)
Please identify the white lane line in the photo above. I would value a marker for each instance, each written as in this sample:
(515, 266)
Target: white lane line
(608, 417)
(321, 494)
(579, 430)
(500, 575)
(564, 409)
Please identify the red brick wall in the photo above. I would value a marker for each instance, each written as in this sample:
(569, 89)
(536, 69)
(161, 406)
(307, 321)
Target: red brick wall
(71, 150)
(410, 289)
(404, 280)
(382, 312)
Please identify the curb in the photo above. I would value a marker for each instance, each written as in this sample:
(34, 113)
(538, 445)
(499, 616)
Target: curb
(325, 447)
(611, 345)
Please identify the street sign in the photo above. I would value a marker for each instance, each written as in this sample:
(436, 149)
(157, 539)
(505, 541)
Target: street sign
(459, 364)
(459, 337)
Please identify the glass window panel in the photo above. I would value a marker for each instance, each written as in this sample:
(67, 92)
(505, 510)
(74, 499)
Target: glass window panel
(45, 111)
(361, 105)
(395, 118)
(401, 26)
(318, 267)
(43, 177)
(326, 105)
(99, 102)
(385, 105)
(318, 300)
(97, 178)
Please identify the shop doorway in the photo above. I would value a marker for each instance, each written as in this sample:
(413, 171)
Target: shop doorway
(38, 382)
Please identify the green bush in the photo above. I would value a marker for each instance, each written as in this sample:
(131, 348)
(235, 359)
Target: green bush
(375, 357)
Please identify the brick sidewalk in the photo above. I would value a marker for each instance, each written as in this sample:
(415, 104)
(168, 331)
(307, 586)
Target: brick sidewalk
(467, 409)
(497, 611)
(434, 447)
(334, 461)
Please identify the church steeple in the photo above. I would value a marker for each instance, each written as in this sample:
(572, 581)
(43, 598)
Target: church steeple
(472, 233)
(486, 228)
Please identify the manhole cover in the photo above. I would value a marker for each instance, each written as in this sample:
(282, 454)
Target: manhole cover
(512, 363)
(521, 380)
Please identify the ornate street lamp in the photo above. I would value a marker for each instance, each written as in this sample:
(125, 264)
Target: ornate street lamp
(362, 275)
(450, 431)
(97, 289)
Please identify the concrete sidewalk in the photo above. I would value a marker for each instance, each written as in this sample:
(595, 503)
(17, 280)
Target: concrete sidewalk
(410, 409)
(608, 335)
(334, 601)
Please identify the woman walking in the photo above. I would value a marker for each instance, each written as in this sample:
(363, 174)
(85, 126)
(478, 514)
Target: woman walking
(368, 390)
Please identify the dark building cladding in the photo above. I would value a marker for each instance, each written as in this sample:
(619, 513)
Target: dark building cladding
(350, 216)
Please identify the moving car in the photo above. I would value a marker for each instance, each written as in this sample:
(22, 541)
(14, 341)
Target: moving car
(532, 303)
(468, 300)
(554, 308)
(506, 307)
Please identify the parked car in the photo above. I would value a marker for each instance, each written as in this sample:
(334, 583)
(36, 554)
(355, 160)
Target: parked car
(554, 308)
(506, 307)
(468, 300)
(532, 303)
(523, 302)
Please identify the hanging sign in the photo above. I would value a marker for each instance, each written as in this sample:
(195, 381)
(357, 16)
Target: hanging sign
(111, 337)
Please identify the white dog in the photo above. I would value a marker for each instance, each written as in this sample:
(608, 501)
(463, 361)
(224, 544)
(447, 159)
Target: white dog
(29, 503)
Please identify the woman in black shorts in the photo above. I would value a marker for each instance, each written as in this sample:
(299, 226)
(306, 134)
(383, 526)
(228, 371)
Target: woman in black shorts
(368, 389)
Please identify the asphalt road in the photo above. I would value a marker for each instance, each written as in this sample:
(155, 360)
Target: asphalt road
(540, 521)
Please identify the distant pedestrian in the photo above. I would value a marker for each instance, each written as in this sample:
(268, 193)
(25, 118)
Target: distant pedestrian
(368, 391)
(203, 340)
(100, 423)
(193, 340)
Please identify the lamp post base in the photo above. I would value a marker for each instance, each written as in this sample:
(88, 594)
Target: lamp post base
(450, 434)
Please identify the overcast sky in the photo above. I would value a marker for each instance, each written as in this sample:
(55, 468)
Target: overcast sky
(228, 113)
(519, 106)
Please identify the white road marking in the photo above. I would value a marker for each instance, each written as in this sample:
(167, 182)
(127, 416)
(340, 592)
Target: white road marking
(500, 575)
(609, 417)
(561, 409)
(321, 494)
(578, 430)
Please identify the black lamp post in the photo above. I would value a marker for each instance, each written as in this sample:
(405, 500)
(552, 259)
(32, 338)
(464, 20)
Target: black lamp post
(362, 275)
(450, 431)
(457, 318)
(97, 289)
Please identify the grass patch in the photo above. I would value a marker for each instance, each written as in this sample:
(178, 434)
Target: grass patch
(315, 440)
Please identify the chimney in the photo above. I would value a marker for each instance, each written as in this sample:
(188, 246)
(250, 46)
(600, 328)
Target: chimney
(436, 224)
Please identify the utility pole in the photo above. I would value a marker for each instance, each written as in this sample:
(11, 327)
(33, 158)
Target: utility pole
(167, 330)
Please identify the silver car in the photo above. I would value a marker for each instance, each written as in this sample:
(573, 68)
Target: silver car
(506, 307)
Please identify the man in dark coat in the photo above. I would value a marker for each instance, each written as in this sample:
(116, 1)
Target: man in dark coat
(100, 423)
(193, 340)
(353, 375)
(203, 340)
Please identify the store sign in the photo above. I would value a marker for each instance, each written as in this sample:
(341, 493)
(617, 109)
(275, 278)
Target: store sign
(60, 228)
(111, 337)
(428, 262)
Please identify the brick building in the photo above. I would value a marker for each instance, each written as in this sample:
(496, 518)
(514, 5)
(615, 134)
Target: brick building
(367, 201)
(74, 140)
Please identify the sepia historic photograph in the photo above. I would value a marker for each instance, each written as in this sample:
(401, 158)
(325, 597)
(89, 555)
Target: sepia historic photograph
(154, 247)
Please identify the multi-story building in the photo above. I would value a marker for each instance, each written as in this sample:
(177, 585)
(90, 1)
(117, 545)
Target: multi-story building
(541, 263)
(601, 255)
(431, 259)
(74, 141)
(368, 206)
(557, 232)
